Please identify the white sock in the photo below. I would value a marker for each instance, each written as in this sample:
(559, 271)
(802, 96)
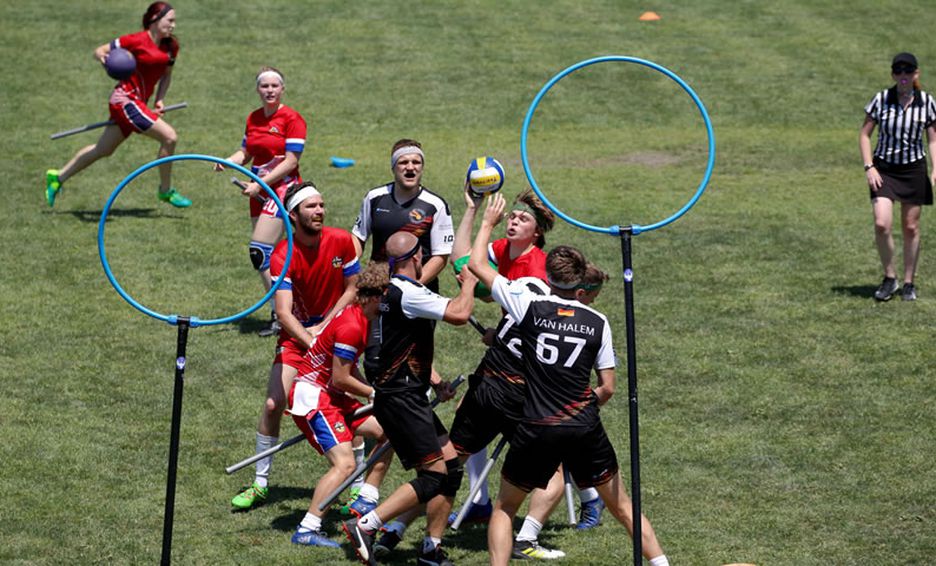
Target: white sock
(475, 466)
(659, 561)
(264, 442)
(358, 460)
(530, 530)
(310, 523)
(369, 492)
(588, 494)
(429, 543)
(370, 523)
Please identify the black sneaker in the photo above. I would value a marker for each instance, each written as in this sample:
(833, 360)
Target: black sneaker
(908, 293)
(886, 290)
(435, 557)
(271, 329)
(362, 542)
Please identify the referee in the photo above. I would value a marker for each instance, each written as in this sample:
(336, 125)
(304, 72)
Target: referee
(561, 341)
(896, 171)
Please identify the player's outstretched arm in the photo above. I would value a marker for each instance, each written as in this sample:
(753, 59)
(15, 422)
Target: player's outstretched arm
(282, 302)
(478, 263)
(459, 309)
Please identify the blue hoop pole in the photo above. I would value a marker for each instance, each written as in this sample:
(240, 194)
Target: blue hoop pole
(634, 228)
(174, 319)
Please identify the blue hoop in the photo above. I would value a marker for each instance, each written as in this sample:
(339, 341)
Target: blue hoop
(635, 228)
(174, 319)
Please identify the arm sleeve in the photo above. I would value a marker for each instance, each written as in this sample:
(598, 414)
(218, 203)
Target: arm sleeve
(361, 229)
(515, 299)
(419, 302)
(351, 265)
(605, 359)
(296, 134)
(127, 42)
(442, 235)
(930, 111)
(873, 109)
(277, 259)
(347, 342)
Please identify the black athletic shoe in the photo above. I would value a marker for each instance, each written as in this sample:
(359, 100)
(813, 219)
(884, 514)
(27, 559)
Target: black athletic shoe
(389, 539)
(435, 557)
(271, 329)
(886, 290)
(908, 293)
(362, 542)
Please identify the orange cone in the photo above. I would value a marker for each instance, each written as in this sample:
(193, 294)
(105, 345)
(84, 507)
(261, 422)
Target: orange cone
(649, 17)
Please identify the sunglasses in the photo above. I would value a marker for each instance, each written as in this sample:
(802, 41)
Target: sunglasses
(903, 70)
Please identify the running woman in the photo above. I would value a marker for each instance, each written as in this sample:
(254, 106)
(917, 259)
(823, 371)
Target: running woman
(273, 142)
(155, 50)
(319, 283)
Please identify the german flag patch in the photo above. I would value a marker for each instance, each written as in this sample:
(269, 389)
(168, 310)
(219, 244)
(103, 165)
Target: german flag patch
(565, 312)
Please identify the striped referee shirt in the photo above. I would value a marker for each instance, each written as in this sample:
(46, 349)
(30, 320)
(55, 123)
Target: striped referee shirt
(900, 132)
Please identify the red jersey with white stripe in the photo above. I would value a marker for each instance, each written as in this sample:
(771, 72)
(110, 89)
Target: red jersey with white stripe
(530, 264)
(151, 63)
(316, 274)
(344, 337)
(268, 138)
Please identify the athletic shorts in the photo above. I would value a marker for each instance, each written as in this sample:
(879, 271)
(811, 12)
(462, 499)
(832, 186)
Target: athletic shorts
(130, 113)
(411, 425)
(537, 450)
(290, 352)
(488, 409)
(330, 422)
(265, 206)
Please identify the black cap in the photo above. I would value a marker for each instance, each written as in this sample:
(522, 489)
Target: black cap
(905, 58)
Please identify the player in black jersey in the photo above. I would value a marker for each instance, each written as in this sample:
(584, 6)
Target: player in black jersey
(402, 378)
(405, 204)
(561, 341)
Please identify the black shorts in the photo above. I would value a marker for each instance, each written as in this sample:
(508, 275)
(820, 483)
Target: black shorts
(908, 183)
(411, 425)
(488, 409)
(537, 450)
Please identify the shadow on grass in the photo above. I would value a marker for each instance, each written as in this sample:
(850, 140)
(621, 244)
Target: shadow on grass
(94, 216)
(251, 324)
(864, 291)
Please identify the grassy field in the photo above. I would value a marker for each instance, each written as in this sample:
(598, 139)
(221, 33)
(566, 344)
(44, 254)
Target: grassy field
(786, 418)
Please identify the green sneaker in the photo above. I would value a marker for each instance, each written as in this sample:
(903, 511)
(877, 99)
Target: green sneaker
(174, 198)
(253, 495)
(52, 186)
(345, 509)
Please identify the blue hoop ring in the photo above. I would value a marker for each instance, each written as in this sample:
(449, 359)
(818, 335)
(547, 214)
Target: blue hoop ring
(174, 319)
(635, 228)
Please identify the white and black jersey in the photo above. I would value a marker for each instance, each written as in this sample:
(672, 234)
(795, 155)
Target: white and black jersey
(408, 311)
(900, 132)
(426, 215)
(562, 341)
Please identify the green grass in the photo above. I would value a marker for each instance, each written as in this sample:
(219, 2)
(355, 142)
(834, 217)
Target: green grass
(786, 418)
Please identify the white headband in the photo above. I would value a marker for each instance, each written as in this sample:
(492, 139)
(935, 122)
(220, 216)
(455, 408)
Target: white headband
(304, 193)
(404, 151)
(270, 74)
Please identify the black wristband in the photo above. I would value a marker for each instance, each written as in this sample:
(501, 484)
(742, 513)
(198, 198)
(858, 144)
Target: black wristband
(868, 166)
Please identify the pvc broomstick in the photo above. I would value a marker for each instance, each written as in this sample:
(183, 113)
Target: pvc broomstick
(96, 125)
(477, 486)
(378, 452)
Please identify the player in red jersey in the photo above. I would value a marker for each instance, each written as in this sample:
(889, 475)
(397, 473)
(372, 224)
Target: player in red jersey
(155, 50)
(520, 252)
(322, 405)
(319, 283)
(273, 142)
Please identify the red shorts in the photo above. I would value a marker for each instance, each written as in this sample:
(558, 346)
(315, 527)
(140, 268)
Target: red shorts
(324, 418)
(290, 352)
(265, 206)
(130, 113)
